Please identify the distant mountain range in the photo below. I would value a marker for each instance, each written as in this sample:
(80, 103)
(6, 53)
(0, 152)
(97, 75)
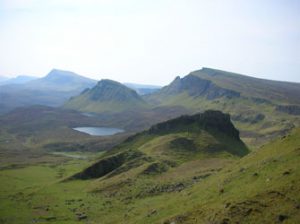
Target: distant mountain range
(21, 79)
(59, 80)
(52, 90)
(189, 151)
(212, 84)
(269, 107)
(261, 109)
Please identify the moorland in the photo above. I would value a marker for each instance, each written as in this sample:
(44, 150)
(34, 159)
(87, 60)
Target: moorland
(210, 147)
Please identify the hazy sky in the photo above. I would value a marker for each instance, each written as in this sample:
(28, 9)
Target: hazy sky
(150, 41)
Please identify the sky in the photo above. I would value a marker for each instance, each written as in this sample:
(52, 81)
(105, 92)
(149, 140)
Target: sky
(150, 41)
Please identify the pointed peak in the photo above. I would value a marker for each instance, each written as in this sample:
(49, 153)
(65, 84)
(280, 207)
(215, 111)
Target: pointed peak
(177, 78)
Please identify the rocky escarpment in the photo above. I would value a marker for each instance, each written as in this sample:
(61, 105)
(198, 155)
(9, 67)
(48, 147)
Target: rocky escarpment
(252, 118)
(108, 165)
(223, 136)
(289, 109)
(211, 121)
(196, 87)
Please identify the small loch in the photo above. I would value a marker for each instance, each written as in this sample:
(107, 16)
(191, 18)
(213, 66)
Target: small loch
(99, 131)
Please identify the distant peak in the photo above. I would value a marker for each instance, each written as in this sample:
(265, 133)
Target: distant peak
(60, 72)
(55, 70)
(108, 81)
(176, 80)
(107, 89)
(206, 68)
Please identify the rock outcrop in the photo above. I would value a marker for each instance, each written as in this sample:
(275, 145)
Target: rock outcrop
(196, 87)
(289, 109)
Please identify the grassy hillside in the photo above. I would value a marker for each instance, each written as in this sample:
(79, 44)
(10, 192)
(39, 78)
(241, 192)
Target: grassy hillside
(163, 178)
(262, 187)
(261, 109)
(170, 143)
(275, 91)
(106, 96)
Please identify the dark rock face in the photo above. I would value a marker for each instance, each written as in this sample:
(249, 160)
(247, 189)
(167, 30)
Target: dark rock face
(289, 109)
(106, 165)
(281, 218)
(101, 168)
(196, 87)
(155, 168)
(252, 119)
(212, 121)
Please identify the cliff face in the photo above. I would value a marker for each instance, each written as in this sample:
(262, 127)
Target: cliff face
(211, 121)
(168, 143)
(289, 109)
(196, 87)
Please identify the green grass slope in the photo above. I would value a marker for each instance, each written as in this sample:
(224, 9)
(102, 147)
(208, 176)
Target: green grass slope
(261, 109)
(167, 144)
(151, 186)
(106, 96)
(275, 91)
(262, 187)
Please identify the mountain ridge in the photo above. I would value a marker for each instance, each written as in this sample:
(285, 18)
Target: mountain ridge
(179, 140)
(62, 80)
(279, 91)
(20, 79)
(107, 95)
(261, 109)
(51, 90)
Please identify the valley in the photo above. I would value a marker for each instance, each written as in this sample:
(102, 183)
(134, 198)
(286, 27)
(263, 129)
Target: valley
(211, 147)
(165, 180)
(149, 112)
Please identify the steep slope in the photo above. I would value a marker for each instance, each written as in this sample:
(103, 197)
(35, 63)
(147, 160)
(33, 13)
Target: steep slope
(261, 109)
(261, 187)
(51, 90)
(170, 143)
(275, 91)
(106, 96)
(213, 84)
